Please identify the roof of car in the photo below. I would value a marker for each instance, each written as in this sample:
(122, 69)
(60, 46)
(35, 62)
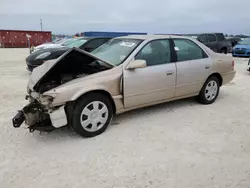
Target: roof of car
(89, 38)
(150, 37)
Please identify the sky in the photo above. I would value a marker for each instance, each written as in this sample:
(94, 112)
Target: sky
(151, 16)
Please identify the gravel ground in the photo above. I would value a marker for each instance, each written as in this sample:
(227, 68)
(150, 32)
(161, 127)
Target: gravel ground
(180, 144)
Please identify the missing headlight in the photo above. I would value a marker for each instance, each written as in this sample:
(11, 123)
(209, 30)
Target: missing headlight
(46, 100)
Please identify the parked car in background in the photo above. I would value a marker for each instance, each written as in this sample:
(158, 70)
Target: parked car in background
(216, 42)
(85, 90)
(242, 49)
(60, 43)
(248, 65)
(39, 57)
(233, 40)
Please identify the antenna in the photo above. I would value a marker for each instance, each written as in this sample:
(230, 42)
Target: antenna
(41, 24)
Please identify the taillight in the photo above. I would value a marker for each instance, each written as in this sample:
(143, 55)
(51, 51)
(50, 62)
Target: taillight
(233, 63)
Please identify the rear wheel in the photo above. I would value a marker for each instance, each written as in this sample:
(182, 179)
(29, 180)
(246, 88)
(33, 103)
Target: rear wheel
(223, 50)
(209, 91)
(92, 115)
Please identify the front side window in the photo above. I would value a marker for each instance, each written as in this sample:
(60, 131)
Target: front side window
(116, 50)
(187, 50)
(156, 52)
(211, 38)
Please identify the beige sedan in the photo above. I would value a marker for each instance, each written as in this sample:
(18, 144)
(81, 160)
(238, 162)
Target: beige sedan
(86, 90)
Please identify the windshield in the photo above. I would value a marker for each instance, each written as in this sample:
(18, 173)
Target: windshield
(62, 41)
(246, 41)
(56, 40)
(68, 42)
(77, 43)
(116, 50)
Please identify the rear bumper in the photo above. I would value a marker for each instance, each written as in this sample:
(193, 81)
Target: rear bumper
(228, 77)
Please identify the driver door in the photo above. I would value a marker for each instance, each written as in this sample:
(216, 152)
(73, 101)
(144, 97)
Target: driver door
(156, 82)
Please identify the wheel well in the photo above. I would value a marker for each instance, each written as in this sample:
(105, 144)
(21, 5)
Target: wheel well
(223, 48)
(218, 76)
(103, 92)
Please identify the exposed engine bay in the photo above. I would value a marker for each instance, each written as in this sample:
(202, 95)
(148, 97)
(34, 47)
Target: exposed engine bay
(72, 66)
(39, 114)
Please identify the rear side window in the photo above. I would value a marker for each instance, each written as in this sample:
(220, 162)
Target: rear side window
(187, 50)
(211, 38)
(220, 36)
(203, 38)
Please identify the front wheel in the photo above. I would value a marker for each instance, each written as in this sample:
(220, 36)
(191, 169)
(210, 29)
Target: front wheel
(92, 115)
(209, 91)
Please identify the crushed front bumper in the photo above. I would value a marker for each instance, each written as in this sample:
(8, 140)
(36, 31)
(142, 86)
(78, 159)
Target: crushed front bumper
(18, 119)
(38, 118)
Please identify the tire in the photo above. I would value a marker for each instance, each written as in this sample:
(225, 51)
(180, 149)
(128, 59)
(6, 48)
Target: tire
(223, 50)
(204, 96)
(92, 115)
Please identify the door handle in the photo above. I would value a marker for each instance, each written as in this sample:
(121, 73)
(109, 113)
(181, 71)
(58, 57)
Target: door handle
(169, 73)
(207, 66)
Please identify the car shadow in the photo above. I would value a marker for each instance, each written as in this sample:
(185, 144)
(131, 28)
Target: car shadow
(155, 109)
(67, 132)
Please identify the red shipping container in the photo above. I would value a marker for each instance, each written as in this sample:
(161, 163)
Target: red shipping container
(19, 39)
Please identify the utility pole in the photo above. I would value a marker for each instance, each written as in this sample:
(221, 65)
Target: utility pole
(41, 24)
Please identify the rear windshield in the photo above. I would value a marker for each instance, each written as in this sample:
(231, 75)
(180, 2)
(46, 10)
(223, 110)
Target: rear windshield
(220, 36)
(246, 41)
(77, 43)
(67, 42)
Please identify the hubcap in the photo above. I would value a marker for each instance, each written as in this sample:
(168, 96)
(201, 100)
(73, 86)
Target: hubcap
(94, 116)
(211, 90)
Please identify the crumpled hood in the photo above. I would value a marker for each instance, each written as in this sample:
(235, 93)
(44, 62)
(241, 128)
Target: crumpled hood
(242, 46)
(39, 72)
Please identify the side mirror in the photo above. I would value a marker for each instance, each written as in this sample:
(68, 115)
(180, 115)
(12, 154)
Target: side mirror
(136, 64)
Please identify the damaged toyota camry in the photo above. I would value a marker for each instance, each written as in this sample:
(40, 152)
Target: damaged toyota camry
(85, 90)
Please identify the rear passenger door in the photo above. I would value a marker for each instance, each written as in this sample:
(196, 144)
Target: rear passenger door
(193, 67)
(213, 43)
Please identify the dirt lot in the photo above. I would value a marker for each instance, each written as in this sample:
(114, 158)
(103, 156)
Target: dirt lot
(180, 144)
